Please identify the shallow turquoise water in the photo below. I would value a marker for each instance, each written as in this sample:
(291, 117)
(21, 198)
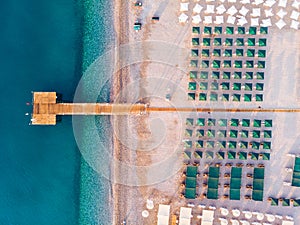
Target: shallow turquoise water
(40, 50)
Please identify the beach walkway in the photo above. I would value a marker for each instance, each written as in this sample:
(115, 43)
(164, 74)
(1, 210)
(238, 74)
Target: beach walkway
(46, 108)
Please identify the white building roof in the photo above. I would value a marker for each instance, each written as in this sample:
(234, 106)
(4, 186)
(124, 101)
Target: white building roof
(207, 217)
(185, 216)
(285, 222)
(163, 214)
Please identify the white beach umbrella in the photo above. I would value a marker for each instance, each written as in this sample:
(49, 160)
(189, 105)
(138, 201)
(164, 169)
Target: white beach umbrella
(219, 20)
(257, 2)
(245, 1)
(207, 20)
(248, 215)
(184, 6)
(282, 3)
(222, 1)
(266, 23)
(267, 224)
(269, 3)
(243, 11)
(196, 19)
(255, 12)
(296, 4)
(281, 13)
(242, 21)
(232, 10)
(221, 9)
(210, 9)
(183, 18)
(224, 211)
(210, 0)
(232, 1)
(270, 218)
(197, 8)
(254, 22)
(234, 222)
(287, 184)
(295, 15)
(231, 19)
(145, 213)
(260, 216)
(236, 212)
(244, 222)
(280, 24)
(268, 12)
(223, 221)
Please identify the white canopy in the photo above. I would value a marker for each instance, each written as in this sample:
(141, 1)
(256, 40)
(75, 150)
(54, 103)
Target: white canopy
(242, 21)
(207, 217)
(295, 15)
(197, 8)
(231, 19)
(163, 214)
(185, 216)
(235, 222)
(184, 6)
(183, 18)
(266, 23)
(219, 20)
(270, 218)
(257, 2)
(221, 9)
(281, 13)
(232, 10)
(282, 3)
(269, 3)
(254, 22)
(295, 25)
(243, 11)
(196, 19)
(207, 19)
(210, 9)
(236, 213)
(280, 24)
(255, 12)
(268, 12)
(296, 4)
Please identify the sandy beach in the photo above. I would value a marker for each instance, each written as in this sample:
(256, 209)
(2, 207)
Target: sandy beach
(130, 201)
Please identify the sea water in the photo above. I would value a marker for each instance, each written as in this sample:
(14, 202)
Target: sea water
(40, 166)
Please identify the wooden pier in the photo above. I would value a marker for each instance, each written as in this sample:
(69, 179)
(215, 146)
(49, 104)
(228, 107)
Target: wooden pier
(46, 108)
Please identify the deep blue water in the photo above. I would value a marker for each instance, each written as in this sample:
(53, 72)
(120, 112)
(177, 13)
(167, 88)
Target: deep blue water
(40, 50)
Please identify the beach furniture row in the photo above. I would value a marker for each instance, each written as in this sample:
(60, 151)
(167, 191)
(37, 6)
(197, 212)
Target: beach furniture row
(218, 41)
(237, 64)
(226, 75)
(229, 30)
(233, 122)
(238, 52)
(225, 86)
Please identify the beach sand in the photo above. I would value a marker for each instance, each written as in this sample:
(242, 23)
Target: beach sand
(130, 201)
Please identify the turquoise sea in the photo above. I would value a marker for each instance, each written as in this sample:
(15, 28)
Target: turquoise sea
(46, 46)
